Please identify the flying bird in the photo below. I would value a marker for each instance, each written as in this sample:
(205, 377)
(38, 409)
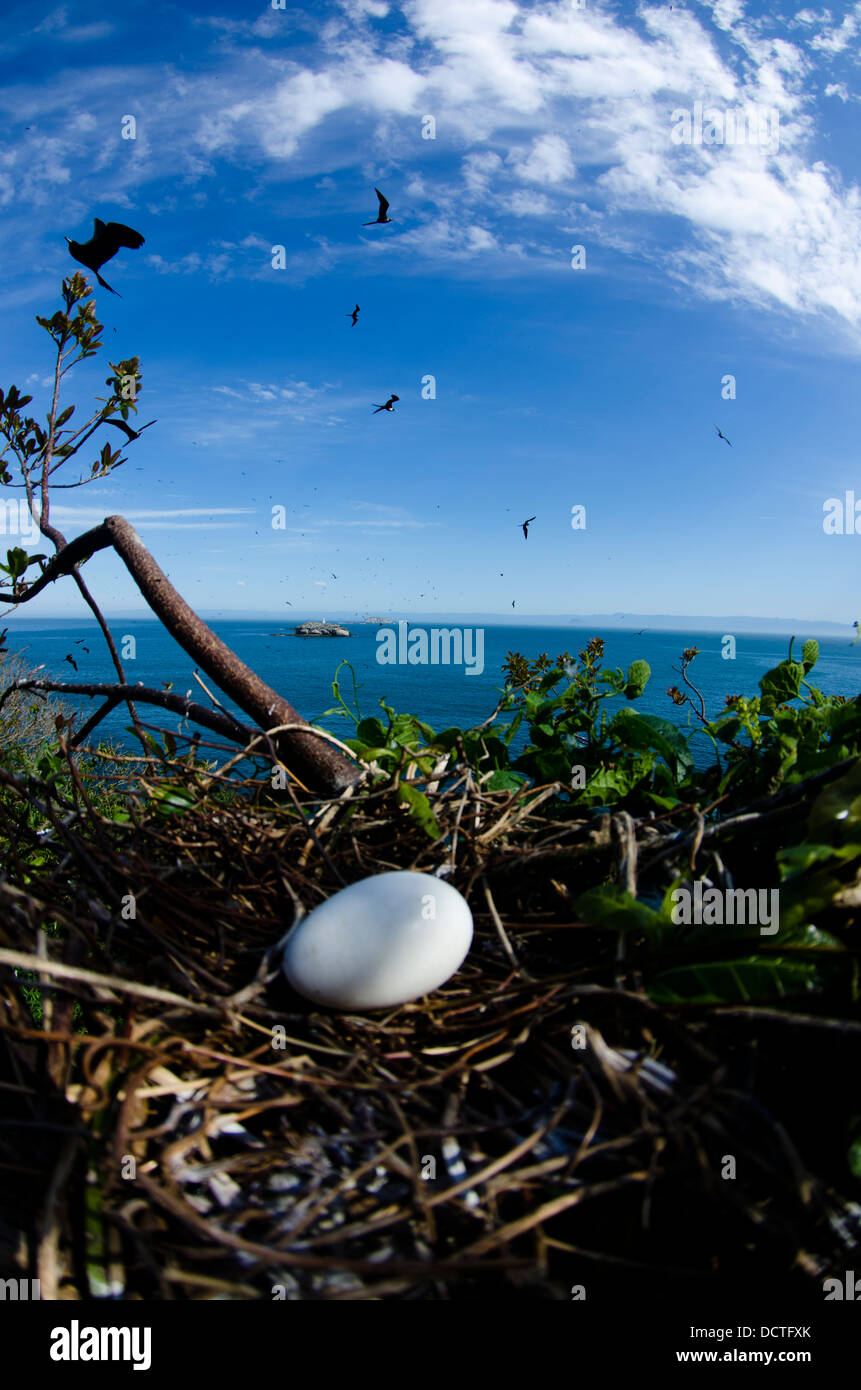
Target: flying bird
(354, 315)
(382, 215)
(389, 405)
(526, 525)
(723, 437)
(71, 660)
(103, 245)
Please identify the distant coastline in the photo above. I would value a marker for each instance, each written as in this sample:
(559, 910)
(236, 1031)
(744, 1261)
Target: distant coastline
(597, 622)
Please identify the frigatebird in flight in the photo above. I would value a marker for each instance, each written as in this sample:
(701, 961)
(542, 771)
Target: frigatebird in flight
(353, 316)
(723, 437)
(103, 245)
(389, 405)
(383, 214)
(525, 525)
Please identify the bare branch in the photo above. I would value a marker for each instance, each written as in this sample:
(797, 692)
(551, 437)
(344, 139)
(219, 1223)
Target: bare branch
(314, 760)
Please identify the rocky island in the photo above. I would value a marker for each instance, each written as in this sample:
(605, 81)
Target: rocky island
(323, 629)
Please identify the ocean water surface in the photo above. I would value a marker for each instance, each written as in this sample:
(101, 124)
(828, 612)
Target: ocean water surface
(302, 669)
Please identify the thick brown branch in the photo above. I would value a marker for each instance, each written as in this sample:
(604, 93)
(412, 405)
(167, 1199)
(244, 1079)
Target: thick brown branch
(314, 761)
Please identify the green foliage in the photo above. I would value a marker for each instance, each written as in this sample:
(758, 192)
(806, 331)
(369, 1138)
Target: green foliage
(39, 450)
(27, 719)
(644, 764)
(738, 981)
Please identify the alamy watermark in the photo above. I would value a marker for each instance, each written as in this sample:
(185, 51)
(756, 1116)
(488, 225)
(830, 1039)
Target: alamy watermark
(20, 1290)
(441, 646)
(727, 906)
(16, 520)
(752, 125)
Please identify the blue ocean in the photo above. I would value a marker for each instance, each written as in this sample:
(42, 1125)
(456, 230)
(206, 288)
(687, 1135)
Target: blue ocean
(302, 669)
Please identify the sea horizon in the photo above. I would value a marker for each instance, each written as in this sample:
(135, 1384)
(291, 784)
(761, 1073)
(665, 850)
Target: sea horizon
(442, 694)
(664, 622)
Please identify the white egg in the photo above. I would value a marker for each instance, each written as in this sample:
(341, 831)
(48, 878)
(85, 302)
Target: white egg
(380, 942)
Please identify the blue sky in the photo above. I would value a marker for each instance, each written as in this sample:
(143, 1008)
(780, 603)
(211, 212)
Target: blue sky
(555, 386)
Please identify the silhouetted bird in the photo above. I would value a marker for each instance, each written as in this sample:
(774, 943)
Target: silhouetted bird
(103, 245)
(353, 316)
(382, 215)
(525, 525)
(71, 661)
(389, 405)
(723, 437)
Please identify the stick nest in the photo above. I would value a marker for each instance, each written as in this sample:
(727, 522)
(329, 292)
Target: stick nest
(180, 1125)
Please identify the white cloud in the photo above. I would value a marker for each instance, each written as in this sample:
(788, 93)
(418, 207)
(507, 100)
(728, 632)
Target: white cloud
(548, 161)
(536, 105)
(836, 38)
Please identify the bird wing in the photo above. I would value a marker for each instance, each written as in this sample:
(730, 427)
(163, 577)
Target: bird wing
(384, 203)
(123, 236)
(98, 226)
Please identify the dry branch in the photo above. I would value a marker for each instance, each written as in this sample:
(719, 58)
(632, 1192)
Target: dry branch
(312, 758)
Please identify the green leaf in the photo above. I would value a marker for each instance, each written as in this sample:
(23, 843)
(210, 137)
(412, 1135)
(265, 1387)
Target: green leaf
(838, 805)
(810, 655)
(783, 683)
(502, 781)
(614, 679)
(405, 730)
(611, 784)
(17, 561)
(419, 809)
(635, 730)
(447, 738)
(612, 908)
(371, 731)
(512, 728)
(732, 981)
(638, 677)
(797, 859)
(171, 801)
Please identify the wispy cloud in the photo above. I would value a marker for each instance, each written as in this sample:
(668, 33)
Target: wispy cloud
(75, 513)
(541, 108)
